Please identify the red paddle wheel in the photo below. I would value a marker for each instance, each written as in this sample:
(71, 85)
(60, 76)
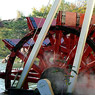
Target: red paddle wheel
(57, 50)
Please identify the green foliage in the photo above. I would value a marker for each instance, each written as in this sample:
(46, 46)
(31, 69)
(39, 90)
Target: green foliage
(79, 7)
(42, 12)
(13, 29)
(17, 28)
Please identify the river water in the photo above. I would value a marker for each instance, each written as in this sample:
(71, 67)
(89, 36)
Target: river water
(2, 82)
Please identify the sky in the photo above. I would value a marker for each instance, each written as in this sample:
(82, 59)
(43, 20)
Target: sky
(8, 8)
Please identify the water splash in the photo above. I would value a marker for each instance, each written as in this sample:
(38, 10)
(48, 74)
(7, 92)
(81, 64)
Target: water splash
(85, 85)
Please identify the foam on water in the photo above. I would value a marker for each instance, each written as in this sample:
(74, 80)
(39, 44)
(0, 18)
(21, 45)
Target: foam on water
(2, 83)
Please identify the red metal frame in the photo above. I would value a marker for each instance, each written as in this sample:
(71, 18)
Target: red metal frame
(60, 43)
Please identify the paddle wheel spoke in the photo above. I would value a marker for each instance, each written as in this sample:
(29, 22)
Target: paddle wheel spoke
(42, 63)
(57, 51)
(51, 38)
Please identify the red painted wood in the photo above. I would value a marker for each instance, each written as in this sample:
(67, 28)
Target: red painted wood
(38, 20)
(29, 23)
(93, 19)
(81, 19)
(71, 19)
(56, 44)
(59, 18)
